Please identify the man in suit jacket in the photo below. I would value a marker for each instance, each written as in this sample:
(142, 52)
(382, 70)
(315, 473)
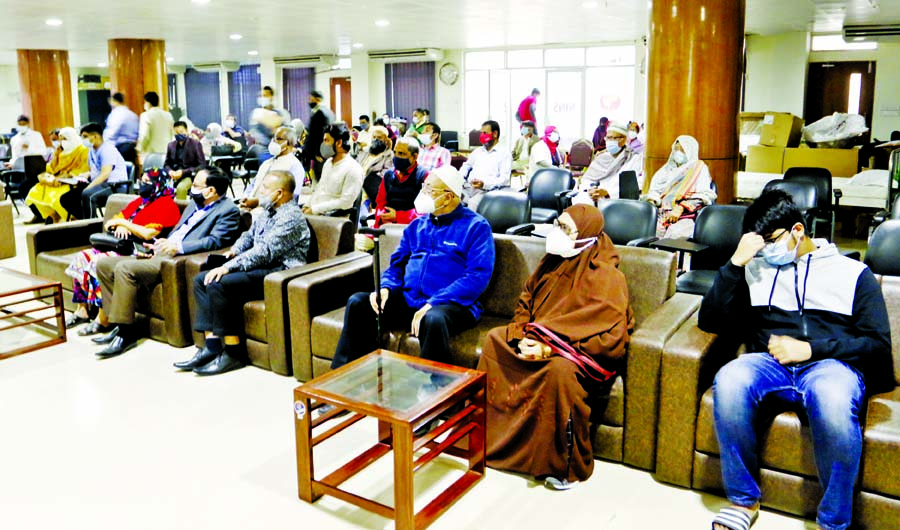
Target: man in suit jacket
(184, 157)
(319, 122)
(211, 222)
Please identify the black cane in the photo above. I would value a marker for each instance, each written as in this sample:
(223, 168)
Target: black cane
(376, 268)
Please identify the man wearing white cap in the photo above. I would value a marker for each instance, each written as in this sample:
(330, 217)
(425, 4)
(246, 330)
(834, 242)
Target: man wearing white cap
(601, 180)
(443, 263)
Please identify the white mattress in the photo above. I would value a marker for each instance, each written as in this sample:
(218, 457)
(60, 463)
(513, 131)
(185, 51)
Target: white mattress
(749, 186)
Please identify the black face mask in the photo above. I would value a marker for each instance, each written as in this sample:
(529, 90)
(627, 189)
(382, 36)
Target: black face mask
(401, 164)
(312, 104)
(146, 190)
(198, 199)
(377, 147)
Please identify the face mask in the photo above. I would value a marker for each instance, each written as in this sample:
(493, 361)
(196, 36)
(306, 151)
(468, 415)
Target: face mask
(486, 138)
(263, 101)
(424, 203)
(554, 137)
(777, 254)
(426, 140)
(146, 190)
(198, 198)
(55, 143)
(524, 131)
(312, 104)
(22, 129)
(274, 148)
(377, 147)
(229, 124)
(180, 138)
(560, 244)
(401, 164)
(326, 150)
(266, 203)
(364, 126)
(632, 135)
(69, 145)
(679, 157)
(612, 147)
(87, 143)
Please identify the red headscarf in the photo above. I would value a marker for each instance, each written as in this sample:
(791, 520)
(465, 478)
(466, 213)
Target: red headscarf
(547, 131)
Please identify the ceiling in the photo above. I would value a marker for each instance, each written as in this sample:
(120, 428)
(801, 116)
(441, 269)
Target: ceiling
(200, 33)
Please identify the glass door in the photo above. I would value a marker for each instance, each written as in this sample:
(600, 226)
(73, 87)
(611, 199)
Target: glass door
(565, 105)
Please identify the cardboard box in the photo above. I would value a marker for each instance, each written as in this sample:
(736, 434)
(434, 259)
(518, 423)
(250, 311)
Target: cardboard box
(764, 159)
(780, 129)
(841, 162)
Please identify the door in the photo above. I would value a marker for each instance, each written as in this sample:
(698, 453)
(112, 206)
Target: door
(564, 104)
(340, 100)
(840, 87)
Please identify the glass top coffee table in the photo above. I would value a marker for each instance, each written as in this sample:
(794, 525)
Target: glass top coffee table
(403, 393)
(31, 313)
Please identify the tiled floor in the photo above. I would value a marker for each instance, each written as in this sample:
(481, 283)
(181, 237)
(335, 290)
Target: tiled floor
(129, 443)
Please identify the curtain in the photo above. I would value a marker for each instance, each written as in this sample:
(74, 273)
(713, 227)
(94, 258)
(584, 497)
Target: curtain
(297, 83)
(202, 91)
(409, 86)
(243, 88)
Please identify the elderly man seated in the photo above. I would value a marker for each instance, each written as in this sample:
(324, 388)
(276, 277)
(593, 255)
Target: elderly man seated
(282, 150)
(601, 180)
(401, 185)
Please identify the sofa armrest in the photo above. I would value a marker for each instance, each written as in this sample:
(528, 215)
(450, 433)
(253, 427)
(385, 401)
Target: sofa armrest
(520, 230)
(59, 236)
(176, 316)
(690, 362)
(642, 377)
(278, 320)
(317, 293)
(192, 265)
(642, 242)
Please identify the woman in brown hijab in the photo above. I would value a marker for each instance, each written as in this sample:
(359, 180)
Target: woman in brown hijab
(538, 417)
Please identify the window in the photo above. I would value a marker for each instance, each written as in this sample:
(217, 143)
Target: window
(173, 90)
(855, 90)
(611, 56)
(297, 83)
(824, 43)
(409, 86)
(484, 60)
(202, 91)
(610, 93)
(564, 57)
(525, 58)
(243, 88)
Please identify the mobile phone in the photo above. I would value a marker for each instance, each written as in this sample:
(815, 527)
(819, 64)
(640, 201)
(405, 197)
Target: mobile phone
(139, 248)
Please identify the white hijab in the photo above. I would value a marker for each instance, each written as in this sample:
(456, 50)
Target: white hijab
(672, 173)
(69, 139)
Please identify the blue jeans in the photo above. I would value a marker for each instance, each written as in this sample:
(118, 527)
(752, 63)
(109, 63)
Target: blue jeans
(829, 391)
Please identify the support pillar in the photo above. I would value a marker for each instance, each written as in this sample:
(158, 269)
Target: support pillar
(694, 84)
(138, 66)
(46, 86)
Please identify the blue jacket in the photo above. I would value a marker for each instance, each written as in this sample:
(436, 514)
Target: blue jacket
(443, 259)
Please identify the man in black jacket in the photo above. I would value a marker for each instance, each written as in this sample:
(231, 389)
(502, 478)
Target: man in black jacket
(210, 223)
(319, 121)
(817, 335)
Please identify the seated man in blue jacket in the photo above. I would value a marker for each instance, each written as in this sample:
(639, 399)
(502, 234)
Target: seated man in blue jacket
(211, 222)
(817, 336)
(443, 264)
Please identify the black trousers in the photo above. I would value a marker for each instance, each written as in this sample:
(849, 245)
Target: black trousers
(82, 203)
(220, 305)
(435, 329)
(128, 150)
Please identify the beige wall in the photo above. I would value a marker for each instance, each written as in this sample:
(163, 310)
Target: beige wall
(10, 97)
(776, 72)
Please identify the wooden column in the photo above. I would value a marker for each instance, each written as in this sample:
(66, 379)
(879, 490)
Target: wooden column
(694, 84)
(137, 66)
(46, 87)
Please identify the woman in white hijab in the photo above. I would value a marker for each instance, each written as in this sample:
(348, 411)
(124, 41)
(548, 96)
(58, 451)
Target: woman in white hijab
(680, 189)
(70, 158)
(212, 137)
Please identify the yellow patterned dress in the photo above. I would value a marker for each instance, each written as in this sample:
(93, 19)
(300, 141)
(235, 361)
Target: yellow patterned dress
(45, 197)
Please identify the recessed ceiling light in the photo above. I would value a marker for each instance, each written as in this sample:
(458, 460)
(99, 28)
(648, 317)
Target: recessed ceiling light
(169, 59)
(235, 36)
(102, 65)
(382, 23)
(357, 45)
(53, 22)
(253, 52)
(201, 2)
(589, 5)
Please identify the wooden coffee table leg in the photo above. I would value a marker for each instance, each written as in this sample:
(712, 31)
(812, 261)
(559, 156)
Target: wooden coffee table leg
(303, 432)
(477, 436)
(404, 516)
(385, 435)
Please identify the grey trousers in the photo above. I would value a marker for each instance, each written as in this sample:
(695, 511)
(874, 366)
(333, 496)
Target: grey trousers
(121, 277)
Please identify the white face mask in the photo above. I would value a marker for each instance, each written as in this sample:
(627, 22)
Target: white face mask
(424, 203)
(263, 101)
(229, 124)
(560, 244)
(274, 148)
(679, 157)
(69, 145)
(55, 143)
(426, 140)
(87, 143)
(22, 129)
(554, 137)
(777, 254)
(632, 135)
(613, 147)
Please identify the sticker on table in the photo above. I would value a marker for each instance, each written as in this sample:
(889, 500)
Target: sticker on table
(299, 409)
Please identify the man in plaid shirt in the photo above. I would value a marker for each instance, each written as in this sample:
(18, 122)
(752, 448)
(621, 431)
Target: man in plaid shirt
(431, 154)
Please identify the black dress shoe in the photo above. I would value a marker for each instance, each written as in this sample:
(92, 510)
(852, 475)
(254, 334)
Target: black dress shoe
(76, 320)
(221, 364)
(202, 357)
(93, 328)
(118, 346)
(106, 339)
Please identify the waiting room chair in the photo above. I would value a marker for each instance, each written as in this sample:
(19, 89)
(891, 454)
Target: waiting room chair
(629, 222)
(804, 192)
(506, 211)
(19, 182)
(545, 191)
(154, 160)
(457, 161)
(450, 140)
(628, 185)
(250, 164)
(884, 249)
(580, 155)
(474, 138)
(824, 211)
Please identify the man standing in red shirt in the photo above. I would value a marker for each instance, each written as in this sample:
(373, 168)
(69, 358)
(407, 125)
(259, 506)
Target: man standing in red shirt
(528, 108)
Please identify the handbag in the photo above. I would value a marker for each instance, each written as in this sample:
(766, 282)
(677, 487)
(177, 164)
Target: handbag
(586, 364)
(106, 242)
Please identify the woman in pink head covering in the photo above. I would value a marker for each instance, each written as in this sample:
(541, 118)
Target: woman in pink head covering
(545, 153)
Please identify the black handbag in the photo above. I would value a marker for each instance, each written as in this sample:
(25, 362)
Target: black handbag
(108, 242)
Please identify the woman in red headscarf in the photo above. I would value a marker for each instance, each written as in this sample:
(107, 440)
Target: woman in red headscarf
(544, 153)
(538, 414)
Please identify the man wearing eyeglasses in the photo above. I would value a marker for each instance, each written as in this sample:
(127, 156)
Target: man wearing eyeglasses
(818, 338)
(601, 180)
(282, 150)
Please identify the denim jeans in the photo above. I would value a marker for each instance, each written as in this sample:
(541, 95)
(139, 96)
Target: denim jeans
(829, 391)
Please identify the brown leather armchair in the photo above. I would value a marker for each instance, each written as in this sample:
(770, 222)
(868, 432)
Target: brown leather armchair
(627, 431)
(266, 321)
(52, 248)
(688, 452)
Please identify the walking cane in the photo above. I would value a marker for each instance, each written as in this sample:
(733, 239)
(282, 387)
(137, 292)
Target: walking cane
(376, 270)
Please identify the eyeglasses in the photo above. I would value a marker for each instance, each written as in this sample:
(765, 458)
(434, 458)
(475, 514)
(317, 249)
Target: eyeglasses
(615, 138)
(774, 238)
(566, 229)
(431, 191)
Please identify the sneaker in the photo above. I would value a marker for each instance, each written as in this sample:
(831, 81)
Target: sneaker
(559, 484)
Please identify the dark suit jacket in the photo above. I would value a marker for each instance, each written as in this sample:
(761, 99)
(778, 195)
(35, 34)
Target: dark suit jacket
(192, 159)
(219, 228)
(315, 133)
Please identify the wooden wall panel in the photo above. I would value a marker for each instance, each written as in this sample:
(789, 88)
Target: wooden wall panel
(137, 66)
